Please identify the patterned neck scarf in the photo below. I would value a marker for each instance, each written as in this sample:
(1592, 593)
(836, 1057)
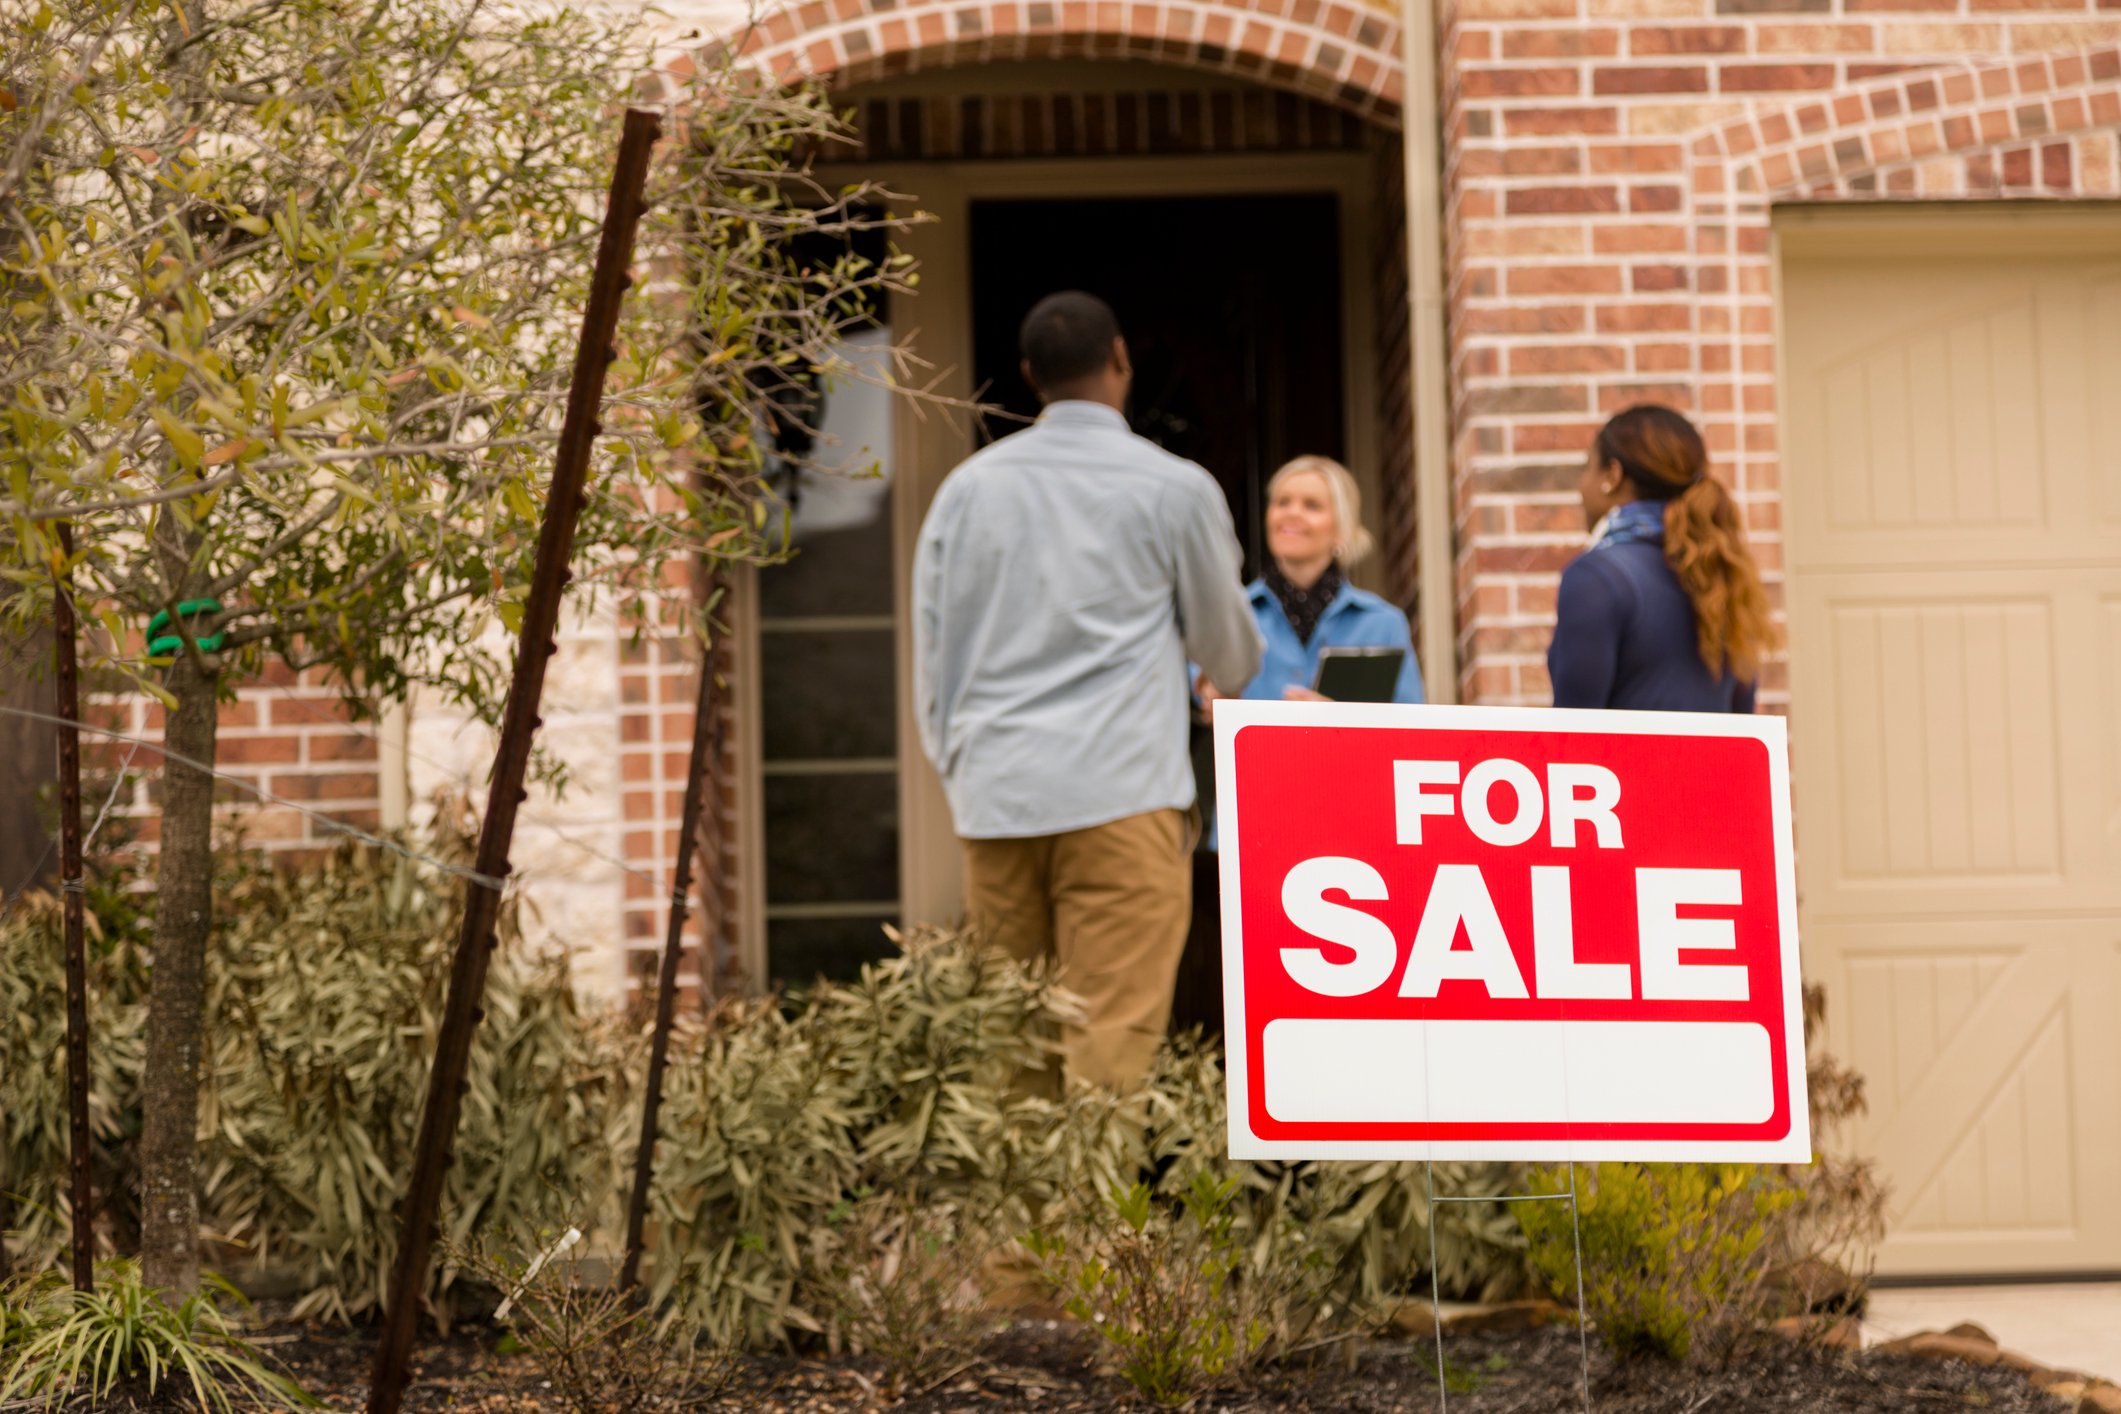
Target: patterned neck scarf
(1304, 607)
(1628, 523)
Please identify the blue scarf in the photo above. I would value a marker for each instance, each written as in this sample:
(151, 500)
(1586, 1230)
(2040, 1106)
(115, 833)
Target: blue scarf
(1632, 522)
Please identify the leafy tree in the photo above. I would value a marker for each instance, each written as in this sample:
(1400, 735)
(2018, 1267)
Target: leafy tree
(291, 290)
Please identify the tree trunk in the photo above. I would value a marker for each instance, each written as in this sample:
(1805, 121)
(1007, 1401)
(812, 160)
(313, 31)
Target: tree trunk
(169, 1138)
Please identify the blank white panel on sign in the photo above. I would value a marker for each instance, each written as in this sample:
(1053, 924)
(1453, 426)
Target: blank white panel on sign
(1368, 1071)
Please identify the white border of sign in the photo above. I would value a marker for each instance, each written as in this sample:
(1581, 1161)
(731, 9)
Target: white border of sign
(1233, 716)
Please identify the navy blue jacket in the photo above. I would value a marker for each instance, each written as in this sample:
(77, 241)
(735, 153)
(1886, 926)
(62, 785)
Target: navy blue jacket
(1624, 638)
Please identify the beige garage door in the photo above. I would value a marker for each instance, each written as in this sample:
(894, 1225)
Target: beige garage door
(1952, 429)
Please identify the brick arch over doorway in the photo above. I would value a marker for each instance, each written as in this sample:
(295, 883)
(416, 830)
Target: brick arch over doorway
(1343, 53)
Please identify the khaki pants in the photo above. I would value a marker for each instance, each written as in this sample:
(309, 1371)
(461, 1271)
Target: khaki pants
(1109, 905)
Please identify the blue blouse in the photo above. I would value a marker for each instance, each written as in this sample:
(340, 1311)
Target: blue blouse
(1355, 619)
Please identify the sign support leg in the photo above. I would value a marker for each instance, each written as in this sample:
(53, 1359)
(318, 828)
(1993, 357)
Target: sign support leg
(1583, 1325)
(1443, 1398)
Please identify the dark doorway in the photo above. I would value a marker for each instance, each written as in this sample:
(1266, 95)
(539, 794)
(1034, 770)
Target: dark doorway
(1231, 309)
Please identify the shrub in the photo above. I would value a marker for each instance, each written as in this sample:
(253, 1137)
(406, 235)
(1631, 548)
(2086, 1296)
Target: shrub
(123, 1338)
(781, 1110)
(1163, 1287)
(35, 1194)
(897, 1278)
(600, 1348)
(790, 1123)
(1675, 1256)
(1372, 1219)
(1689, 1260)
(325, 996)
(322, 1015)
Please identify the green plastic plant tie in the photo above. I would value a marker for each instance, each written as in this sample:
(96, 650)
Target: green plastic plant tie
(161, 644)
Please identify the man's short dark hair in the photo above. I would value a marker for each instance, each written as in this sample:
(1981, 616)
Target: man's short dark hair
(1066, 337)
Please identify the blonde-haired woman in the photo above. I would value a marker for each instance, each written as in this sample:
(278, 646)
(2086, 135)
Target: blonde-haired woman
(1665, 611)
(1303, 601)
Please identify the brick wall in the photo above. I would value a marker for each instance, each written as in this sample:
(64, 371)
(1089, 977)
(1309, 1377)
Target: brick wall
(288, 734)
(1612, 167)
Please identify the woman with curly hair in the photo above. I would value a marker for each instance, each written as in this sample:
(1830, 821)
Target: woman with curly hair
(1665, 611)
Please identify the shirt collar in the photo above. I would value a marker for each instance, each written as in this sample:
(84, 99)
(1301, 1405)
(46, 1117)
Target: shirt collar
(1262, 593)
(1075, 412)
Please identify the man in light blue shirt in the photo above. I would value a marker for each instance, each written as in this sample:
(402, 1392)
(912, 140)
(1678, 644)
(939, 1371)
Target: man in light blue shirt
(1065, 575)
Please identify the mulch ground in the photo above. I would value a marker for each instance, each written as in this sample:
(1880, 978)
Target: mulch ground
(1051, 1368)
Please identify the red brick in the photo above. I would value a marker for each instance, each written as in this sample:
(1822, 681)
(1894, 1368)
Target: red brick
(307, 711)
(1644, 318)
(1521, 83)
(343, 746)
(336, 785)
(1536, 359)
(1773, 78)
(1540, 161)
(1564, 280)
(1651, 79)
(1686, 39)
(1637, 157)
(1560, 43)
(1639, 238)
(257, 750)
(1560, 200)
(1540, 319)
(1526, 122)
(1527, 400)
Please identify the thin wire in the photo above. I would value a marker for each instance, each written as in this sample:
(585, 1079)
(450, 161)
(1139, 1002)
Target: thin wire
(1583, 1326)
(379, 841)
(455, 770)
(1443, 1398)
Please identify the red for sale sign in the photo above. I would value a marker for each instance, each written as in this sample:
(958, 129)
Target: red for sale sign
(1486, 932)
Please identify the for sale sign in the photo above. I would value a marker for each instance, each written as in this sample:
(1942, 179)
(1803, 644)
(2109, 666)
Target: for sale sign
(1481, 932)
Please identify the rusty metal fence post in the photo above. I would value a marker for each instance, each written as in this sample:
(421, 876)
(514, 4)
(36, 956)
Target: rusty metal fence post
(706, 717)
(519, 724)
(65, 627)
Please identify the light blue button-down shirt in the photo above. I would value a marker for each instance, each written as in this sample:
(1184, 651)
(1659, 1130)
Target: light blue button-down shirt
(1064, 576)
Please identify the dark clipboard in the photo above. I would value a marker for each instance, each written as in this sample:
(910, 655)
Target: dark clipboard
(1359, 674)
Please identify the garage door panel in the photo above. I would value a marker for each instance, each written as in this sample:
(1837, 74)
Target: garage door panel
(1961, 426)
(1986, 1047)
(1952, 487)
(2002, 1173)
(1947, 750)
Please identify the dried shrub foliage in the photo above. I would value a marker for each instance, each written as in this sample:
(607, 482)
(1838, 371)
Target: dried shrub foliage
(898, 1279)
(1373, 1218)
(319, 1028)
(1692, 1261)
(601, 1349)
(781, 1109)
(1171, 1289)
(833, 1163)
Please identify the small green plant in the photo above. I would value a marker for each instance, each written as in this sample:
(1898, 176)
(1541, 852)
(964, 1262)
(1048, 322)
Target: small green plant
(1170, 1287)
(1675, 1256)
(897, 1279)
(124, 1339)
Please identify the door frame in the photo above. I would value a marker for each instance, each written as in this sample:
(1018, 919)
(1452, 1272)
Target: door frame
(936, 324)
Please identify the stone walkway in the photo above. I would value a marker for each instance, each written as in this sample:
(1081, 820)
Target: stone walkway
(2074, 1326)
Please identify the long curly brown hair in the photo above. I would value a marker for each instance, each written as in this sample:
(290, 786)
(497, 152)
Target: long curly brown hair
(1663, 457)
